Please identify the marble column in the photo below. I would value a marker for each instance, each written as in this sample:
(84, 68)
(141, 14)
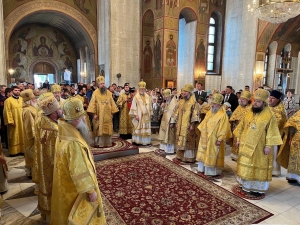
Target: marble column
(119, 40)
(3, 72)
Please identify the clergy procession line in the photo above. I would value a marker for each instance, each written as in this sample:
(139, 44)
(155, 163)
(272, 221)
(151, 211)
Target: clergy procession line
(54, 130)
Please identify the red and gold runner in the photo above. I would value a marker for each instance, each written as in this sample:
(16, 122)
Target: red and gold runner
(149, 189)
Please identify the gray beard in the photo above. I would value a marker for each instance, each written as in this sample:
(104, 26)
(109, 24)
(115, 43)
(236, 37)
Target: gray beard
(85, 133)
(187, 97)
(214, 111)
(103, 90)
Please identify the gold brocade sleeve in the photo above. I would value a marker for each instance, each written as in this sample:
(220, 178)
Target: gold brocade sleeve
(121, 101)
(28, 123)
(7, 113)
(78, 169)
(174, 117)
(224, 131)
(273, 136)
(196, 113)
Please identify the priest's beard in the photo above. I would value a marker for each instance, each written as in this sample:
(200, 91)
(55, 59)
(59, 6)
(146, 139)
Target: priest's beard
(34, 104)
(214, 110)
(57, 98)
(187, 97)
(103, 90)
(85, 132)
(209, 100)
(257, 110)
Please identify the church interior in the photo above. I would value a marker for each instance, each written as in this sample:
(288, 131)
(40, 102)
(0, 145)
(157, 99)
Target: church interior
(167, 44)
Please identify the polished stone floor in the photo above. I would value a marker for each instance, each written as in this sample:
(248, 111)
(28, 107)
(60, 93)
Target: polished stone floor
(20, 203)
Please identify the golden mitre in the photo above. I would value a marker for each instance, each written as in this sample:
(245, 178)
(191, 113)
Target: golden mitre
(55, 88)
(72, 108)
(27, 95)
(188, 88)
(100, 79)
(49, 105)
(214, 91)
(217, 99)
(45, 95)
(261, 94)
(142, 84)
(246, 95)
(167, 93)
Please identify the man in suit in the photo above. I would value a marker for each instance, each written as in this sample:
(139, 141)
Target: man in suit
(231, 98)
(199, 92)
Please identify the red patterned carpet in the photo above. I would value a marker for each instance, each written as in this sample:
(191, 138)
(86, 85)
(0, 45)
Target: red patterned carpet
(149, 189)
(120, 148)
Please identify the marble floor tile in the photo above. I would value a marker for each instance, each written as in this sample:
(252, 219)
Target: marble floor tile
(274, 205)
(27, 209)
(15, 173)
(18, 202)
(287, 198)
(13, 185)
(280, 219)
(12, 192)
(293, 214)
(24, 186)
(34, 198)
(295, 191)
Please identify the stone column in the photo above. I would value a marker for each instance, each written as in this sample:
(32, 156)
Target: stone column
(119, 40)
(3, 72)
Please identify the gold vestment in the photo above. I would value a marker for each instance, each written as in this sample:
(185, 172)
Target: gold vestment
(47, 138)
(185, 113)
(12, 114)
(255, 132)
(104, 107)
(280, 115)
(289, 154)
(141, 106)
(166, 134)
(214, 127)
(29, 114)
(74, 174)
(125, 123)
(238, 114)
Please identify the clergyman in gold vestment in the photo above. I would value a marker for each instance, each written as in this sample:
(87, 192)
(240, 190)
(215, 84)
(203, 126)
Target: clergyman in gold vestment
(29, 114)
(12, 114)
(186, 116)
(141, 111)
(256, 133)
(289, 154)
(239, 113)
(124, 104)
(74, 179)
(167, 134)
(277, 107)
(215, 129)
(46, 152)
(102, 106)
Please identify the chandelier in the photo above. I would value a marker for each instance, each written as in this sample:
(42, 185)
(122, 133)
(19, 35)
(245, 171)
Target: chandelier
(274, 11)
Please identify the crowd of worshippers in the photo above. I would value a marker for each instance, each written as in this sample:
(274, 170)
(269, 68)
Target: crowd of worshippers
(260, 127)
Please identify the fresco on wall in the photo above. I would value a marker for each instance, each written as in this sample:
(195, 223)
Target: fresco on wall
(157, 56)
(217, 3)
(148, 58)
(203, 10)
(171, 56)
(200, 55)
(39, 43)
(172, 7)
(86, 7)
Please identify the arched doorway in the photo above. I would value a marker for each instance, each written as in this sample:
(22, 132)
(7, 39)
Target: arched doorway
(43, 71)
